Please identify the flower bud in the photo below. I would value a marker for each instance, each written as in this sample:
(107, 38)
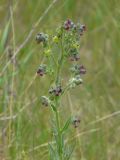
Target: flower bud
(75, 81)
(76, 122)
(81, 29)
(55, 39)
(41, 37)
(42, 70)
(78, 80)
(47, 52)
(45, 101)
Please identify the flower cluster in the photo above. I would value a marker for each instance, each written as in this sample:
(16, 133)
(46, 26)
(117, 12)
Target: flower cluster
(78, 69)
(56, 91)
(71, 47)
(68, 24)
(74, 56)
(72, 37)
(42, 38)
(82, 29)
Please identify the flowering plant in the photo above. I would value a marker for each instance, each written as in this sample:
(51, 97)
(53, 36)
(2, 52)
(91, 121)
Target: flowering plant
(67, 41)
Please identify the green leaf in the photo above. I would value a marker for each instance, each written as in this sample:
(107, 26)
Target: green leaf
(53, 107)
(66, 125)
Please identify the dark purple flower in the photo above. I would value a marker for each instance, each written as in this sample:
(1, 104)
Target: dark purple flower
(56, 91)
(41, 70)
(76, 122)
(78, 69)
(82, 69)
(68, 25)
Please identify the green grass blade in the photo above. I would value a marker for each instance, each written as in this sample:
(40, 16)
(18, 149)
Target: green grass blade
(4, 36)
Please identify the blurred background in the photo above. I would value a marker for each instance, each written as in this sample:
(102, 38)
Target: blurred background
(25, 127)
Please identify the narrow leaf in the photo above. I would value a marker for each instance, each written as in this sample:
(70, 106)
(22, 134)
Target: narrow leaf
(4, 36)
(66, 125)
(53, 107)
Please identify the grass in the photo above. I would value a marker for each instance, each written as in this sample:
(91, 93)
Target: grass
(24, 124)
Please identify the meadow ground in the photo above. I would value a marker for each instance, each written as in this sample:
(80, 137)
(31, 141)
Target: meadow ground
(25, 127)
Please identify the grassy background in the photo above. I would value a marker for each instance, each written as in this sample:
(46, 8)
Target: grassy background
(97, 102)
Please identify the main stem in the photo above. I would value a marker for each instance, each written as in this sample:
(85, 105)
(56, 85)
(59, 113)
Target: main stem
(59, 134)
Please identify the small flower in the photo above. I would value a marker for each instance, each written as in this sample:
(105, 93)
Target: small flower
(81, 29)
(73, 54)
(76, 122)
(45, 101)
(56, 91)
(82, 69)
(41, 37)
(74, 57)
(41, 70)
(78, 69)
(68, 25)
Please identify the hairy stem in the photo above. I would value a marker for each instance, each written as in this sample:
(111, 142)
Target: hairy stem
(60, 61)
(59, 134)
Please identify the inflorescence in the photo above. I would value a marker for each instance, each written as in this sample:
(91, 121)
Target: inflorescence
(68, 35)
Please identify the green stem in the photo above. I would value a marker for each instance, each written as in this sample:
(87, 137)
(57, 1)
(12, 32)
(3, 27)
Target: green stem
(58, 132)
(60, 60)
